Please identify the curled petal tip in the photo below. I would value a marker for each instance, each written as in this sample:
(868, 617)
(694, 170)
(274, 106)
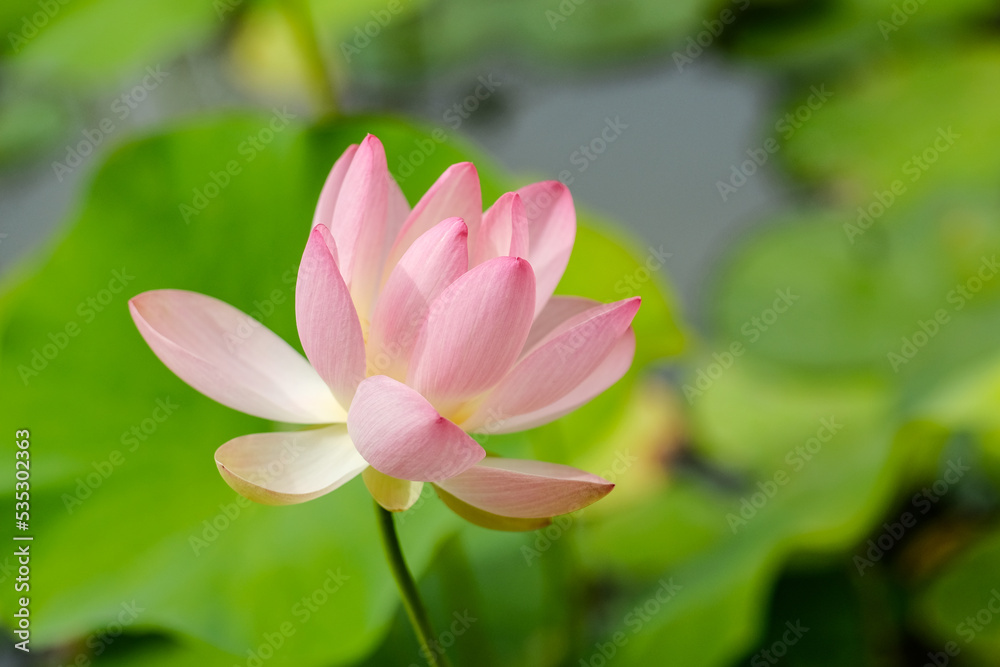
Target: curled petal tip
(526, 489)
(289, 468)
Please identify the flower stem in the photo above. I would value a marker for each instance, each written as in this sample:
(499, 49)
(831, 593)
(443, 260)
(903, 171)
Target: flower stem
(414, 606)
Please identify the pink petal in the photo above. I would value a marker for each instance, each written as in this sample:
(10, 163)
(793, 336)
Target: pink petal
(331, 188)
(557, 311)
(485, 519)
(504, 231)
(474, 332)
(232, 358)
(360, 221)
(614, 366)
(400, 434)
(551, 232)
(455, 194)
(560, 362)
(288, 468)
(397, 211)
(526, 489)
(391, 493)
(432, 263)
(328, 324)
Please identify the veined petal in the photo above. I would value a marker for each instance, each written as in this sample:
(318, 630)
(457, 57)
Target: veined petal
(289, 468)
(526, 489)
(561, 361)
(397, 211)
(328, 324)
(360, 222)
(551, 232)
(456, 193)
(433, 262)
(327, 203)
(485, 519)
(504, 231)
(474, 332)
(232, 358)
(391, 493)
(614, 366)
(400, 434)
(556, 313)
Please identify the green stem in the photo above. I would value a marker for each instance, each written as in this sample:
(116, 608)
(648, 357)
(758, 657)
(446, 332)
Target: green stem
(414, 606)
(300, 17)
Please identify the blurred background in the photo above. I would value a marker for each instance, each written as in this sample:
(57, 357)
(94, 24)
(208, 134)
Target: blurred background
(806, 451)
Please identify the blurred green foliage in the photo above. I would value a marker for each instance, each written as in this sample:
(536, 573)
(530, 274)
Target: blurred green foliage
(827, 454)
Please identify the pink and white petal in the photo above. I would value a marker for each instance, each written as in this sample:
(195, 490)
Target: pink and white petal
(564, 359)
(456, 193)
(232, 358)
(289, 468)
(359, 222)
(556, 313)
(485, 519)
(504, 231)
(396, 213)
(328, 196)
(328, 325)
(612, 369)
(551, 232)
(433, 262)
(400, 434)
(526, 489)
(391, 493)
(474, 332)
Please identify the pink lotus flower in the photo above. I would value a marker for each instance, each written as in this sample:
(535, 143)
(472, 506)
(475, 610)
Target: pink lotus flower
(420, 327)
